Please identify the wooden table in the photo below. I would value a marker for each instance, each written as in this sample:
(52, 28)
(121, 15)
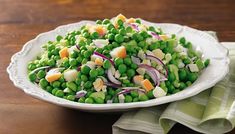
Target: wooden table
(22, 20)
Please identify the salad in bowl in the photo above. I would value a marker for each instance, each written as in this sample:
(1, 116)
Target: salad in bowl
(121, 60)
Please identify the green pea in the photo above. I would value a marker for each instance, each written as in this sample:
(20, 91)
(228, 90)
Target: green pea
(86, 35)
(73, 62)
(171, 77)
(115, 100)
(176, 91)
(192, 77)
(182, 85)
(206, 62)
(142, 44)
(106, 64)
(84, 61)
(71, 85)
(106, 21)
(182, 74)
(134, 94)
(84, 78)
(136, 99)
(63, 85)
(99, 100)
(98, 22)
(114, 31)
(54, 91)
(41, 74)
(128, 99)
(59, 93)
(81, 100)
(108, 97)
(186, 61)
(51, 62)
(85, 69)
(43, 83)
(111, 37)
(120, 22)
(94, 35)
(125, 81)
(49, 89)
(31, 66)
(150, 94)
(139, 38)
(128, 29)
(50, 47)
(71, 97)
(138, 21)
(144, 34)
(182, 40)
(118, 61)
(32, 77)
(200, 64)
(171, 88)
(100, 71)
(130, 72)
(188, 83)
(110, 26)
(134, 66)
(119, 38)
(143, 97)
(93, 73)
(59, 37)
(88, 85)
(111, 91)
(154, 46)
(89, 100)
(56, 84)
(73, 54)
(87, 54)
(127, 61)
(122, 32)
(122, 68)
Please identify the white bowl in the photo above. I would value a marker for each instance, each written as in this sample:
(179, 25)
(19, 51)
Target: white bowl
(211, 49)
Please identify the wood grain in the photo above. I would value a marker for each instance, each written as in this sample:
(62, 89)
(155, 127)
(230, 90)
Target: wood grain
(22, 20)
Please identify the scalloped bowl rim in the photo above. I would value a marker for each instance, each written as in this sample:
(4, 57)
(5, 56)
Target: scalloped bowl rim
(43, 95)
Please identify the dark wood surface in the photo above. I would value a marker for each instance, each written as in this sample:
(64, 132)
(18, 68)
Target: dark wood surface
(22, 20)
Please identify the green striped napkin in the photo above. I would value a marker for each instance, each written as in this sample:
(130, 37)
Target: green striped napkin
(211, 111)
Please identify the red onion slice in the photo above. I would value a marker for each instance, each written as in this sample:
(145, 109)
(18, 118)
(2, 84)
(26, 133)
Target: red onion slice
(77, 46)
(112, 78)
(152, 72)
(104, 57)
(80, 94)
(135, 27)
(135, 60)
(79, 68)
(153, 58)
(154, 35)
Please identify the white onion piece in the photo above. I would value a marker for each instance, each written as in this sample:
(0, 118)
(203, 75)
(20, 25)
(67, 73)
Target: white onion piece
(100, 43)
(70, 75)
(135, 60)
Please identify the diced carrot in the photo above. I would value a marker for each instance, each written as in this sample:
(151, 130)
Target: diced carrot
(98, 61)
(53, 77)
(147, 85)
(138, 79)
(100, 30)
(163, 37)
(118, 52)
(64, 53)
(122, 17)
(131, 20)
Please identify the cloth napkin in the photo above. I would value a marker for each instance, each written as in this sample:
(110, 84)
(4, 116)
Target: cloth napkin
(211, 111)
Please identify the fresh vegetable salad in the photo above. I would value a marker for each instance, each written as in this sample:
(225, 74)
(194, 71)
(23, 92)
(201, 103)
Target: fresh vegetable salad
(116, 61)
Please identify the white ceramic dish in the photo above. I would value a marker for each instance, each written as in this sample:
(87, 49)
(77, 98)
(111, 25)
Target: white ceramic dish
(211, 49)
